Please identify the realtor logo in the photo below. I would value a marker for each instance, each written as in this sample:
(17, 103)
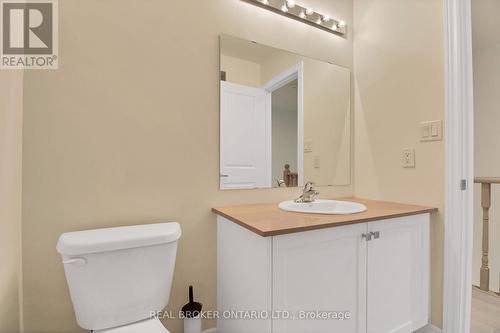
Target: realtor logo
(29, 34)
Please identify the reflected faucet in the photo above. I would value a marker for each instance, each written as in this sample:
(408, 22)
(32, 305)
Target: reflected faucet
(308, 194)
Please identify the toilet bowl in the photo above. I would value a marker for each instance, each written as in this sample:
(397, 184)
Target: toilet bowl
(118, 278)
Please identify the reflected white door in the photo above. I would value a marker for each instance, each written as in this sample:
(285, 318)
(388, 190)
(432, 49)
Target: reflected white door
(244, 146)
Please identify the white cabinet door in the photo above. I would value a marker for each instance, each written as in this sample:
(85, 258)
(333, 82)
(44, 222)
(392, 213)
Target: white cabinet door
(322, 270)
(398, 275)
(244, 143)
(243, 279)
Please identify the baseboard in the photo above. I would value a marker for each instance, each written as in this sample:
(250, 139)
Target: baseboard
(211, 330)
(429, 329)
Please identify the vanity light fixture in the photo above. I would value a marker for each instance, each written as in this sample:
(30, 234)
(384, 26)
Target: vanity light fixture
(306, 15)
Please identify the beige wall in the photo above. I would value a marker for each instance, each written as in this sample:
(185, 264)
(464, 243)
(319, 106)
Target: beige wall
(241, 71)
(486, 53)
(398, 61)
(284, 134)
(126, 132)
(11, 112)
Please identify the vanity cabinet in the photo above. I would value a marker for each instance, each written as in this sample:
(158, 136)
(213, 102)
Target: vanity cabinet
(375, 274)
(323, 270)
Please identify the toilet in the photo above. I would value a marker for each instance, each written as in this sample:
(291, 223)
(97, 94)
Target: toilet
(119, 278)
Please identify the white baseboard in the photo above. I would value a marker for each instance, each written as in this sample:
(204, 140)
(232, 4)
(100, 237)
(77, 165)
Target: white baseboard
(429, 329)
(211, 330)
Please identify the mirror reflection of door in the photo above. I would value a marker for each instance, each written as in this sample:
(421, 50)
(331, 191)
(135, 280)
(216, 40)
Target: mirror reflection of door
(243, 157)
(284, 118)
(260, 133)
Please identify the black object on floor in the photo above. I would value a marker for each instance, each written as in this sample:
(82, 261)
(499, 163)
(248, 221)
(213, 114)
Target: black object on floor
(192, 309)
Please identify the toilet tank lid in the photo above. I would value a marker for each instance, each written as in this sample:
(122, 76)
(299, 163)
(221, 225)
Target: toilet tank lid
(111, 239)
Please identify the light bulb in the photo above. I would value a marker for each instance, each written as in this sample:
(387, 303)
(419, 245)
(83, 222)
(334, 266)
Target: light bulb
(326, 18)
(265, 2)
(334, 27)
(302, 14)
(309, 11)
(284, 8)
(319, 21)
(342, 24)
(290, 3)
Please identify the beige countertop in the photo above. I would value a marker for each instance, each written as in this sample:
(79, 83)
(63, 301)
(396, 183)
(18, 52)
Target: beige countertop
(270, 220)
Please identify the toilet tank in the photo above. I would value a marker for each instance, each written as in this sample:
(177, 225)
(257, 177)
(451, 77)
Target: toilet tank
(118, 276)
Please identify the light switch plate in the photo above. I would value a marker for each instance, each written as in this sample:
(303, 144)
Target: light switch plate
(308, 146)
(431, 131)
(408, 158)
(317, 163)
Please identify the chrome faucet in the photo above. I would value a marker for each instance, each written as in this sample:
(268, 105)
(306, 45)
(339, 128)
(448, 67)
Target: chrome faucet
(308, 194)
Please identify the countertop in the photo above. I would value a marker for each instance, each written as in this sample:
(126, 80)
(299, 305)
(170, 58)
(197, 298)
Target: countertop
(269, 220)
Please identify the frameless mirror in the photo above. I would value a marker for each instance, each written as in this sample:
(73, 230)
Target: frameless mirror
(284, 118)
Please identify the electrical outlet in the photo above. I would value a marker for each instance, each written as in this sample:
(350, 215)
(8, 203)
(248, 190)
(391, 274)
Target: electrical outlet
(408, 158)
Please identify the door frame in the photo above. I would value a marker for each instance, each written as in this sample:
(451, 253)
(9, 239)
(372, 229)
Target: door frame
(459, 147)
(295, 72)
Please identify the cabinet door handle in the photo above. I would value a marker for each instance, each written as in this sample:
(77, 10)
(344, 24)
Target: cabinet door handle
(376, 234)
(368, 236)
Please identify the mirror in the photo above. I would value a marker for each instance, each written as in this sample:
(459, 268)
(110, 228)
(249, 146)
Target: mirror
(284, 118)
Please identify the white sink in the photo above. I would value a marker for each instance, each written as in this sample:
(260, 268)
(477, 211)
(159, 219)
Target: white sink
(323, 207)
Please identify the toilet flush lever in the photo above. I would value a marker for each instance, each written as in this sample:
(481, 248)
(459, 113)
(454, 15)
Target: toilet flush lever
(75, 261)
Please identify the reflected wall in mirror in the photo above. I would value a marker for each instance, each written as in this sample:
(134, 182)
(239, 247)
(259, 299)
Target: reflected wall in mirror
(284, 118)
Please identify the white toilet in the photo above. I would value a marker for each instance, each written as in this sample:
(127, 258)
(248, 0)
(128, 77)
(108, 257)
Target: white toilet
(119, 277)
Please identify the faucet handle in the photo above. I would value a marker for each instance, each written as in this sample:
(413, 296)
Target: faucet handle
(315, 195)
(308, 186)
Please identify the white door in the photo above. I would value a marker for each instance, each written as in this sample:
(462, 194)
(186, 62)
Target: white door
(321, 272)
(243, 138)
(398, 275)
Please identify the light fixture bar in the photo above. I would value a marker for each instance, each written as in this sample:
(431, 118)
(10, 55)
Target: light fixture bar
(306, 15)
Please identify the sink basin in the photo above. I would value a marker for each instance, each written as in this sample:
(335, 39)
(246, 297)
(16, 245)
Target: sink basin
(334, 207)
